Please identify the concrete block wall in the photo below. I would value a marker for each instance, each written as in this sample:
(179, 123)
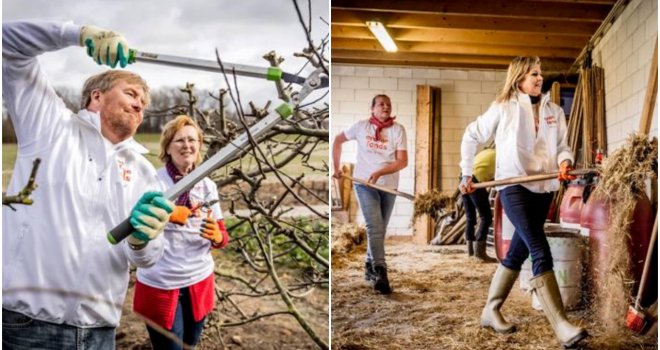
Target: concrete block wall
(466, 93)
(625, 53)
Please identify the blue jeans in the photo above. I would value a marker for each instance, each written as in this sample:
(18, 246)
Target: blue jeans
(184, 327)
(473, 203)
(21, 332)
(527, 211)
(376, 208)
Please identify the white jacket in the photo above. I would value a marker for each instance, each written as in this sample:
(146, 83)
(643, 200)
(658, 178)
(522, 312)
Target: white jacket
(520, 150)
(57, 264)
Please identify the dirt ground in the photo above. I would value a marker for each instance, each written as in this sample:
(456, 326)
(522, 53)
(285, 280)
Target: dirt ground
(276, 332)
(436, 304)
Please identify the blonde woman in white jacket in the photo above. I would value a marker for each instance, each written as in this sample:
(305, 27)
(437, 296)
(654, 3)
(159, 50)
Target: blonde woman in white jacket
(530, 137)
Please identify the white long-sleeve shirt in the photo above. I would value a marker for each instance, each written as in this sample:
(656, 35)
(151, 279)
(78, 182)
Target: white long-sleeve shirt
(520, 149)
(57, 264)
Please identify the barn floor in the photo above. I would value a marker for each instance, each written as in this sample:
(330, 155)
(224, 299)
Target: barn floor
(437, 300)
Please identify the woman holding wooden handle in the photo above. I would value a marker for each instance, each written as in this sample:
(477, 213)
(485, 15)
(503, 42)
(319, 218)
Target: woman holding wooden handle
(381, 154)
(530, 138)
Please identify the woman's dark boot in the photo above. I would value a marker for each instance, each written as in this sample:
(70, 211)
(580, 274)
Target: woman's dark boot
(369, 275)
(381, 284)
(480, 252)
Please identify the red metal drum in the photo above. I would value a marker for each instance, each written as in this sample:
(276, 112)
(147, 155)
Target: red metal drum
(503, 230)
(594, 222)
(571, 204)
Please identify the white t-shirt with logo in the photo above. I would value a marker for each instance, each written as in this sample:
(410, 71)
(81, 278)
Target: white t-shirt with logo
(373, 155)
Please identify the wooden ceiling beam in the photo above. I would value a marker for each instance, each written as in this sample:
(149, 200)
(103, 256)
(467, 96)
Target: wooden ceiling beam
(401, 58)
(448, 35)
(502, 8)
(416, 20)
(597, 2)
(549, 65)
(407, 63)
(454, 48)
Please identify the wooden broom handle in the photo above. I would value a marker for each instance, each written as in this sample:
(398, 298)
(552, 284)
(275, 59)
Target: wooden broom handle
(381, 188)
(647, 263)
(529, 178)
(650, 95)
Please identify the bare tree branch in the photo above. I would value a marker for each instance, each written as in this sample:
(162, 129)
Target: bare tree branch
(23, 197)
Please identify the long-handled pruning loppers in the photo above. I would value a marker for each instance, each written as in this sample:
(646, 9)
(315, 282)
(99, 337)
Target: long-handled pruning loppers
(315, 80)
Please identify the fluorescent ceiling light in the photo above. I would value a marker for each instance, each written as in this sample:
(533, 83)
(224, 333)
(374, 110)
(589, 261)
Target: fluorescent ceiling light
(379, 31)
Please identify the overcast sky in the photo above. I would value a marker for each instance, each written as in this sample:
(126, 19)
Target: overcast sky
(242, 31)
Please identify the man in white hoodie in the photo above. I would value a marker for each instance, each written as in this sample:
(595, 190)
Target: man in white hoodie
(63, 284)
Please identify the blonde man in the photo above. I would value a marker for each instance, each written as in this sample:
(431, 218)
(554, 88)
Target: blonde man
(63, 284)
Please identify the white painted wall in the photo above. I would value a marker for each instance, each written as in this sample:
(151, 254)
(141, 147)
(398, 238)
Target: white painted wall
(465, 95)
(625, 54)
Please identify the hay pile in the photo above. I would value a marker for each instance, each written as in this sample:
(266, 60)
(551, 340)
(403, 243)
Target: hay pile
(623, 179)
(346, 236)
(438, 297)
(433, 203)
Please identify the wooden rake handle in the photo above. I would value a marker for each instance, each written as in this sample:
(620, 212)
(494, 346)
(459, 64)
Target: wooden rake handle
(647, 263)
(530, 178)
(381, 188)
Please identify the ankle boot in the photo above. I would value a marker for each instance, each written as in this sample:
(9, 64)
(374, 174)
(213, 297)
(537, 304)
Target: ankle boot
(547, 292)
(499, 290)
(369, 275)
(480, 252)
(470, 248)
(381, 284)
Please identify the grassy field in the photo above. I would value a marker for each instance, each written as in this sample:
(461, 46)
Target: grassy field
(8, 159)
(320, 155)
(151, 142)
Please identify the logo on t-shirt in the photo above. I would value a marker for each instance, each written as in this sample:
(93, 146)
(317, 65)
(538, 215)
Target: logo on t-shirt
(550, 120)
(380, 145)
(124, 172)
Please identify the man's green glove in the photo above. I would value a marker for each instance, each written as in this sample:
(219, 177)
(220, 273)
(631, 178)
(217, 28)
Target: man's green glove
(150, 215)
(104, 46)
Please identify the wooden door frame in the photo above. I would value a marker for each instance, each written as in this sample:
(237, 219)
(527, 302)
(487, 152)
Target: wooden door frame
(427, 154)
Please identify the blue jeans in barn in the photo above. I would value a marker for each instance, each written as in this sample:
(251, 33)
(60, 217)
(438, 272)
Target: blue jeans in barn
(376, 209)
(527, 212)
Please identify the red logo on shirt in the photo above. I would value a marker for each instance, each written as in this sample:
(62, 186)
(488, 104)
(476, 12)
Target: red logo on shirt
(124, 172)
(550, 120)
(376, 145)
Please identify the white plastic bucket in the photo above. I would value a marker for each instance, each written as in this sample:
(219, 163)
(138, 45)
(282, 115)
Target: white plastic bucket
(566, 247)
